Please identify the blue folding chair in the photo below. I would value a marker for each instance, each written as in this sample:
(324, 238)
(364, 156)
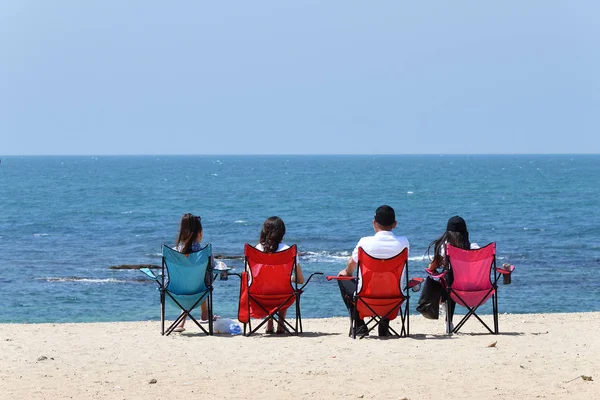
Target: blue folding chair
(186, 281)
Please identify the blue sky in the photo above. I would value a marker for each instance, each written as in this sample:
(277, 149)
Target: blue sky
(305, 77)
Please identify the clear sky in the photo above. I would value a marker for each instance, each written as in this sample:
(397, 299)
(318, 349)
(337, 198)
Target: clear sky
(305, 77)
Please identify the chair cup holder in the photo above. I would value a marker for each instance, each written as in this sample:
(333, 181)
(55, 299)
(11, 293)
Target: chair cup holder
(506, 277)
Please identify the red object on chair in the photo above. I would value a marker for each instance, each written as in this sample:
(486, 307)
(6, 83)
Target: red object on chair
(267, 289)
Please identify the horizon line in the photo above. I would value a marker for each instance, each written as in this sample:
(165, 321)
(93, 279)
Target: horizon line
(290, 154)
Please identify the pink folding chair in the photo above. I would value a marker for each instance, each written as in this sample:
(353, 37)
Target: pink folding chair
(475, 281)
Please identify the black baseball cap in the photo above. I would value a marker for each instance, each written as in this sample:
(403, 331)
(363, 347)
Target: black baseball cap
(385, 215)
(456, 224)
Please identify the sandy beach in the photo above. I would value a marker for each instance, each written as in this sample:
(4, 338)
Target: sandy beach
(535, 356)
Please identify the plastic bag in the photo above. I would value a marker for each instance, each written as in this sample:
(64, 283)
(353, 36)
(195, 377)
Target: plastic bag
(226, 326)
(429, 302)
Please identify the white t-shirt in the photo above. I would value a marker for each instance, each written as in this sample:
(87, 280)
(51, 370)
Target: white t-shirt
(384, 244)
(281, 247)
(474, 246)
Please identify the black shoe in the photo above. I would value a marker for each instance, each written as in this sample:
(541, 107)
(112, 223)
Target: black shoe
(384, 327)
(361, 330)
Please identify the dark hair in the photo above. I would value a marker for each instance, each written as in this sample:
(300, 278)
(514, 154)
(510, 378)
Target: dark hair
(272, 234)
(385, 216)
(455, 238)
(188, 232)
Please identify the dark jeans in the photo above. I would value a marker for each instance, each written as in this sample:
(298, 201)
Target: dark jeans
(347, 289)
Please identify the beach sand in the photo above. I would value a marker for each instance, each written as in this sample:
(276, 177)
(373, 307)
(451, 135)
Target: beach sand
(535, 356)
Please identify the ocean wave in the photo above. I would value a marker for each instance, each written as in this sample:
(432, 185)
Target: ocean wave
(85, 280)
(41, 234)
(154, 255)
(240, 221)
(127, 212)
(325, 256)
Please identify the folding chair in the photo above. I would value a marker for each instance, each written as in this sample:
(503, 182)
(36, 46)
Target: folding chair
(475, 280)
(186, 281)
(379, 292)
(266, 288)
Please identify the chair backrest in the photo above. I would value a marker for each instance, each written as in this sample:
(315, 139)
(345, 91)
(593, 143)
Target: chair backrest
(471, 269)
(188, 273)
(381, 278)
(270, 273)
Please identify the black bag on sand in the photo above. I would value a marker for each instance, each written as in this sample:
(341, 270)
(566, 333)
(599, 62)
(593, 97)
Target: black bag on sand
(429, 302)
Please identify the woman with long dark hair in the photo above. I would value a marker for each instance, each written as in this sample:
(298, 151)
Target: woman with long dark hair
(188, 241)
(271, 241)
(457, 235)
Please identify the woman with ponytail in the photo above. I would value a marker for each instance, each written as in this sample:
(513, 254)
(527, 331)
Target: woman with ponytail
(270, 241)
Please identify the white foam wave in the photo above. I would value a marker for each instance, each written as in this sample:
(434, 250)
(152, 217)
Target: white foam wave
(337, 256)
(127, 212)
(419, 258)
(240, 221)
(325, 256)
(82, 280)
(153, 255)
(41, 234)
(409, 192)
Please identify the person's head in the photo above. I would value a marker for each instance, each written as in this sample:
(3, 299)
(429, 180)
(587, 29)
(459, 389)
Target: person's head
(385, 218)
(456, 234)
(272, 234)
(190, 231)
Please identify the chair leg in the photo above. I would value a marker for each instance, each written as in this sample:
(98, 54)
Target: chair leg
(210, 314)
(298, 316)
(495, 306)
(407, 312)
(448, 317)
(162, 312)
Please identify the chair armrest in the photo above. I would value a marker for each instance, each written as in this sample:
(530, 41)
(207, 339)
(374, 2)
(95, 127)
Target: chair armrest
(309, 278)
(415, 284)
(149, 273)
(434, 274)
(339, 278)
(505, 271)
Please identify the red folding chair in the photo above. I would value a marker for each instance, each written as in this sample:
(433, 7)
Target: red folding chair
(266, 288)
(379, 292)
(475, 280)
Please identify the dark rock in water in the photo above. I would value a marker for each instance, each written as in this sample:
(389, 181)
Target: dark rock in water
(226, 257)
(229, 257)
(152, 266)
(134, 266)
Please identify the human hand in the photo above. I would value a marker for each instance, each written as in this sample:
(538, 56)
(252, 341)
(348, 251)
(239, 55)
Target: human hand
(344, 272)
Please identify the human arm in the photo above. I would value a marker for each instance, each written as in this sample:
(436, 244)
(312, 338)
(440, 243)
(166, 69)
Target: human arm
(349, 270)
(298, 275)
(434, 264)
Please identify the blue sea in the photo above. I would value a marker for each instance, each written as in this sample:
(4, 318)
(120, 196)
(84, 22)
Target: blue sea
(65, 220)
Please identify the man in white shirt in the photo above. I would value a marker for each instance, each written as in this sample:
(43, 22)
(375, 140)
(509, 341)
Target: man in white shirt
(384, 244)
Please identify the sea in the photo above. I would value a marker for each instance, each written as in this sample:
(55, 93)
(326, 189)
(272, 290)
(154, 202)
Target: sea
(66, 220)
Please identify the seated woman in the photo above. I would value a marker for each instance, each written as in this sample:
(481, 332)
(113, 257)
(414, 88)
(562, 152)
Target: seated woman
(270, 241)
(188, 241)
(457, 235)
